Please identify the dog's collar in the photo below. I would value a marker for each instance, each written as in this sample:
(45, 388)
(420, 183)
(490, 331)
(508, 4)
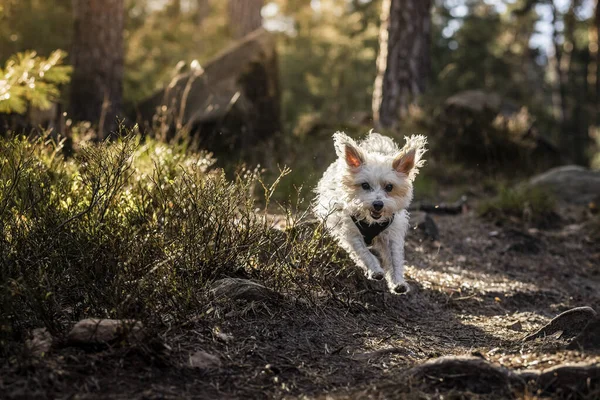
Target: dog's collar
(370, 231)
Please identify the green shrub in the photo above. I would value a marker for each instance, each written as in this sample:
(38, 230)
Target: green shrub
(139, 230)
(523, 204)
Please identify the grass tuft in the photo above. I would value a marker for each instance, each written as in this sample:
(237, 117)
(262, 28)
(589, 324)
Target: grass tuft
(526, 205)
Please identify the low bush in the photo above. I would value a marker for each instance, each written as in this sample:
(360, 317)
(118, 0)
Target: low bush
(527, 205)
(139, 229)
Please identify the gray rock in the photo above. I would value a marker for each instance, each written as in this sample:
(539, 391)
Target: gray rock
(589, 338)
(570, 323)
(40, 342)
(204, 360)
(475, 101)
(243, 289)
(424, 223)
(573, 379)
(101, 331)
(469, 373)
(570, 183)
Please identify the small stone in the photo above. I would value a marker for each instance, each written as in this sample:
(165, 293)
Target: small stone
(517, 326)
(423, 222)
(222, 336)
(101, 331)
(204, 360)
(243, 289)
(461, 259)
(40, 342)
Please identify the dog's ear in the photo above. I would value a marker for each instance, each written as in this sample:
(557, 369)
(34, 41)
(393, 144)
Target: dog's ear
(405, 163)
(347, 149)
(353, 156)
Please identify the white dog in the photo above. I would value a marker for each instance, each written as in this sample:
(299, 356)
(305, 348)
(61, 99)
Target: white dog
(363, 198)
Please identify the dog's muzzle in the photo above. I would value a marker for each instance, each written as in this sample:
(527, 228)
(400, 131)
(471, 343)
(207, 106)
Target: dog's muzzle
(376, 211)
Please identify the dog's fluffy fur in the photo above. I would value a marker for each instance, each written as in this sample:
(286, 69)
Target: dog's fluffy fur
(342, 193)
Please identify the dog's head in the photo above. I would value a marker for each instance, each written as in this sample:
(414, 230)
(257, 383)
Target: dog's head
(378, 175)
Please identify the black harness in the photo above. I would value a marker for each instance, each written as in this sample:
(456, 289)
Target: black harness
(370, 231)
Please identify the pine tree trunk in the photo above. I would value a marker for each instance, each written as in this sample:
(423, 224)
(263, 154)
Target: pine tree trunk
(244, 17)
(403, 61)
(97, 54)
(597, 54)
(202, 10)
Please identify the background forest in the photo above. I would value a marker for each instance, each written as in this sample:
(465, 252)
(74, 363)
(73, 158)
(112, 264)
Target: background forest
(157, 163)
(540, 55)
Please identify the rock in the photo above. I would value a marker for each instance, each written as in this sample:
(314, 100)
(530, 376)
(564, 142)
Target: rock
(476, 101)
(231, 103)
(482, 129)
(102, 331)
(570, 323)
(589, 338)
(40, 342)
(571, 184)
(426, 224)
(517, 326)
(243, 289)
(204, 360)
(570, 379)
(464, 373)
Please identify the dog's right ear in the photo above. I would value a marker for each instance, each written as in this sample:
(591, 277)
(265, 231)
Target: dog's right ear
(347, 149)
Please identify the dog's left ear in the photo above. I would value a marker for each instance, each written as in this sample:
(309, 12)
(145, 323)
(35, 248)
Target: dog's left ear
(405, 163)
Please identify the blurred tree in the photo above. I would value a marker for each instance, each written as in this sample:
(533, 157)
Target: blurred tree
(244, 17)
(43, 26)
(159, 46)
(202, 11)
(98, 56)
(327, 56)
(403, 62)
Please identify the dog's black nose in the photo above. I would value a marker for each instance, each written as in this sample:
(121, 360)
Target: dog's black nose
(378, 205)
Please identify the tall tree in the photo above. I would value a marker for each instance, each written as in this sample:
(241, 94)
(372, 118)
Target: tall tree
(98, 54)
(202, 10)
(403, 61)
(595, 46)
(244, 16)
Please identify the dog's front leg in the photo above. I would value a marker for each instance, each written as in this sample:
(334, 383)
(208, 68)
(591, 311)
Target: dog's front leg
(395, 279)
(360, 254)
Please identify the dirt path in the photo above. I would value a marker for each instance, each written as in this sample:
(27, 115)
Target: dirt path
(478, 291)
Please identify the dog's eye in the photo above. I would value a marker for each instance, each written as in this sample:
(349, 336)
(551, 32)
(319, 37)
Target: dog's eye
(366, 186)
(389, 187)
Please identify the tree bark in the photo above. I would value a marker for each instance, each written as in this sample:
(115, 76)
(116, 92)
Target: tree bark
(244, 17)
(560, 83)
(97, 56)
(202, 10)
(597, 59)
(403, 61)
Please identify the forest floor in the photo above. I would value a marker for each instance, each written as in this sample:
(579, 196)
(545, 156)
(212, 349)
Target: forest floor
(476, 292)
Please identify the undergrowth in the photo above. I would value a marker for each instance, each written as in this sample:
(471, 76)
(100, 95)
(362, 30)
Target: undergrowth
(528, 205)
(139, 229)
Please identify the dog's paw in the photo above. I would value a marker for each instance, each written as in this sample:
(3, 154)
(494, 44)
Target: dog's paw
(375, 275)
(401, 288)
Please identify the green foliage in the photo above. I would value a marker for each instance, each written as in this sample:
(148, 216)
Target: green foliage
(131, 229)
(328, 63)
(524, 205)
(30, 79)
(33, 24)
(175, 40)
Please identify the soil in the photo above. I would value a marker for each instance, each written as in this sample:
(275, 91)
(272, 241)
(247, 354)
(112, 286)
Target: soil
(477, 291)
